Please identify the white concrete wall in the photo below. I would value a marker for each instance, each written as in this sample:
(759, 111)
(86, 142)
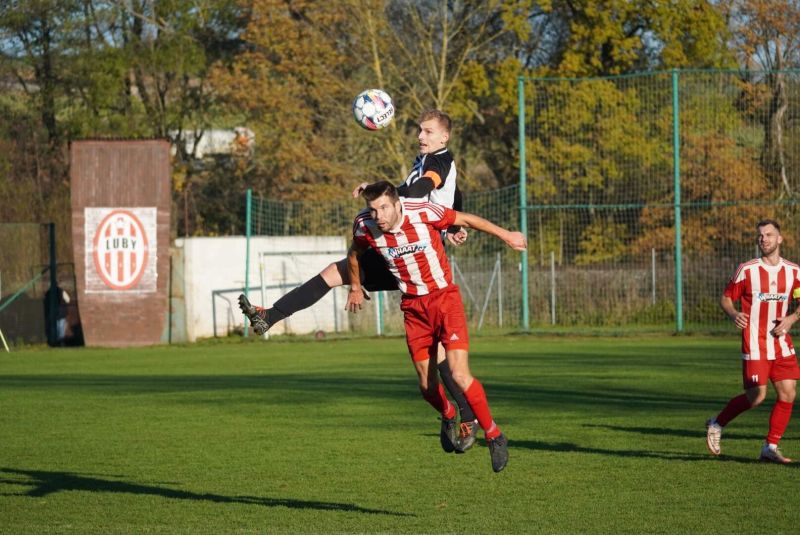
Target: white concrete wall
(219, 264)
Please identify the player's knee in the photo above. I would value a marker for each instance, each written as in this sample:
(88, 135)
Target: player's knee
(462, 378)
(757, 400)
(424, 382)
(332, 276)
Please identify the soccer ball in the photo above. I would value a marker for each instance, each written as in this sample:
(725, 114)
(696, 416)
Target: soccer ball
(373, 109)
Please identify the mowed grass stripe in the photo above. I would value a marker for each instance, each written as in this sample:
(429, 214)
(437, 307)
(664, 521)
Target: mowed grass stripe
(332, 437)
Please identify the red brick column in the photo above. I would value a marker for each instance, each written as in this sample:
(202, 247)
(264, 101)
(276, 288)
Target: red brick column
(121, 234)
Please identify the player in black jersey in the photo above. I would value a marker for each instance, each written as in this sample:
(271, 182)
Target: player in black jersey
(433, 178)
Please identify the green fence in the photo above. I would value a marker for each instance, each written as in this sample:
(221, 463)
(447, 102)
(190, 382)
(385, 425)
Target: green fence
(615, 169)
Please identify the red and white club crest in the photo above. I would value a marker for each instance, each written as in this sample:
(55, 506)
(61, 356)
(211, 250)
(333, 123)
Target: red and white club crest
(120, 250)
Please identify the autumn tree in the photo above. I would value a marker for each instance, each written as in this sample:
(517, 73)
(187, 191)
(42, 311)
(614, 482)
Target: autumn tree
(605, 143)
(620, 36)
(723, 187)
(595, 144)
(465, 57)
(765, 36)
(426, 54)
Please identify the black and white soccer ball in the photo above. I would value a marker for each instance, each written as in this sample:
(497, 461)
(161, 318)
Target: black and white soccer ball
(373, 109)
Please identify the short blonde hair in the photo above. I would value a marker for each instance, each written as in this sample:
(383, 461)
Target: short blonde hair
(439, 115)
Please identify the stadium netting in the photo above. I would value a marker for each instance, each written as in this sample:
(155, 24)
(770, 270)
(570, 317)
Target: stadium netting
(615, 168)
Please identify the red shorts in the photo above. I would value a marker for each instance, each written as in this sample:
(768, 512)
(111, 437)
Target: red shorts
(758, 372)
(432, 318)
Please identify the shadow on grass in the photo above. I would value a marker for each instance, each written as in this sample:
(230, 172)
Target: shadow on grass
(312, 387)
(45, 483)
(567, 447)
(663, 431)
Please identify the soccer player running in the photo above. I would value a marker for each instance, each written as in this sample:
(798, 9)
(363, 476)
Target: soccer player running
(405, 232)
(432, 178)
(765, 287)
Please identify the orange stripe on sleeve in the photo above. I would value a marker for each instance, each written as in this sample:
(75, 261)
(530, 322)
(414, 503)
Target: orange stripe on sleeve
(434, 176)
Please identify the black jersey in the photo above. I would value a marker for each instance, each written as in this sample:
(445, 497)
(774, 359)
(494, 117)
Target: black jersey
(441, 169)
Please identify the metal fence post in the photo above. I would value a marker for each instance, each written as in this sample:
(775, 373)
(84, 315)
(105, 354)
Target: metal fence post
(523, 202)
(676, 163)
(379, 315)
(248, 221)
(552, 287)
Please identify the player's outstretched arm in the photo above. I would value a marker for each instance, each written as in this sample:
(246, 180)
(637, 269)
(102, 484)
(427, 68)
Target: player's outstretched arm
(513, 239)
(355, 297)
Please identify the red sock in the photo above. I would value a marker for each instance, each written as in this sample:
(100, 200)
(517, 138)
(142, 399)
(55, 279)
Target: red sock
(439, 401)
(734, 408)
(476, 397)
(778, 420)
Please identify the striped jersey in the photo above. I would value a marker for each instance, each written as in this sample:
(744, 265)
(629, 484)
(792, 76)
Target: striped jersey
(413, 252)
(441, 169)
(765, 292)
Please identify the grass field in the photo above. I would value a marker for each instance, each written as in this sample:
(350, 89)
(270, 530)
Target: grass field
(606, 435)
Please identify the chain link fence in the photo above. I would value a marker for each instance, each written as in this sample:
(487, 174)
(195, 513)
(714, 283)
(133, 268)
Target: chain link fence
(615, 169)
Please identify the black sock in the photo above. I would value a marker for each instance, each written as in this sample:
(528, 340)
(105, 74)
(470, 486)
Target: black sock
(447, 378)
(300, 298)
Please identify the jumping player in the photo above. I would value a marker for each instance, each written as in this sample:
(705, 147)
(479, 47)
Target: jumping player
(405, 232)
(764, 286)
(432, 178)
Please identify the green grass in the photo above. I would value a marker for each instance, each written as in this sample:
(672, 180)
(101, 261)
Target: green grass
(606, 436)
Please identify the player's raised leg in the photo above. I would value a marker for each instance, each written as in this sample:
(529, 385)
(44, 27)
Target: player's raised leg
(298, 299)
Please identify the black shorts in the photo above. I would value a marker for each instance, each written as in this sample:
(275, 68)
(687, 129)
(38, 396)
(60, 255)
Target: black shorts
(375, 275)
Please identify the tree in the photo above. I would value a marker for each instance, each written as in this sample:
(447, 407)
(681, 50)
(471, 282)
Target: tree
(765, 35)
(619, 36)
(94, 68)
(426, 55)
(721, 179)
(33, 170)
(166, 50)
(464, 57)
(594, 143)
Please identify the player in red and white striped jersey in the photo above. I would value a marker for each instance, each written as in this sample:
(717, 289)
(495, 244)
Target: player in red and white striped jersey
(764, 286)
(433, 178)
(764, 291)
(405, 233)
(414, 253)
